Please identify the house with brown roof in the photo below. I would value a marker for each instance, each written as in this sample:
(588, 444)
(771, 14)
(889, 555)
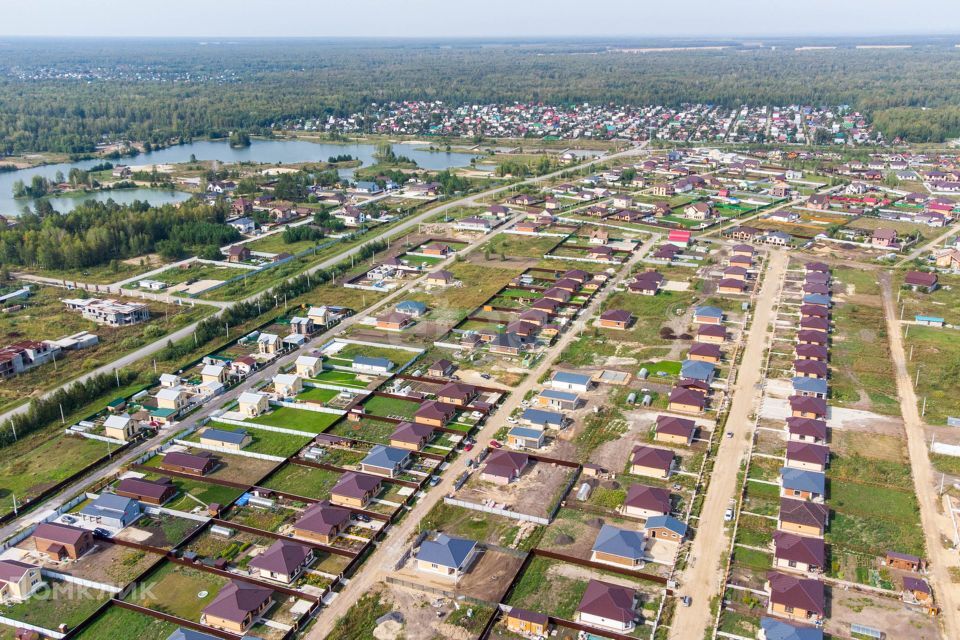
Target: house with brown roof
(394, 321)
(503, 467)
(441, 277)
(803, 517)
(645, 502)
(810, 336)
(457, 393)
(616, 319)
(817, 352)
(705, 352)
(807, 456)
(238, 253)
(921, 281)
(798, 553)
(608, 606)
(884, 238)
(903, 561)
(674, 430)
(154, 492)
(195, 464)
(354, 490)
(322, 522)
(61, 541)
(795, 598)
(807, 430)
(712, 334)
(283, 561)
(527, 623)
(237, 606)
(411, 436)
(687, 400)
(731, 286)
(650, 461)
(808, 407)
(434, 413)
(441, 368)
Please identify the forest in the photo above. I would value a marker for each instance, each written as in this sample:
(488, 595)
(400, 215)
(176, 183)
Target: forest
(97, 233)
(72, 96)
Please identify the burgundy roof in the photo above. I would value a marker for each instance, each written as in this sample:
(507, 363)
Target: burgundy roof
(801, 593)
(818, 324)
(355, 485)
(148, 488)
(807, 452)
(435, 410)
(322, 518)
(812, 351)
(705, 349)
(236, 600)
(731, 283)
(814, 310)
(13, 570)
(196, 461)
(676, 426)
(616, 315)
(712, 330)
(529, 616)
(608, 601)
(283, 556)
(915, 584)
(577, 274)
(652, 457)
(816, 287)
(457, 390)
(807, 404)
(803, 512)
(744, 247)
(790, 546)
(807, 427)
(411, 432)
(747, 260)
(651, 498)
(920, 278)
(735, 271)
(818, 266)
(62, 533)
(506, 463)
(687, 396)
(817, 277)
(809, 335)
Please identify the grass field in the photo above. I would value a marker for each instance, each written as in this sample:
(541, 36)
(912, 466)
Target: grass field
(367, 430)
(274, 243)
(299, 419)
(267, 442)
(391, 407)
(555, 595)
(176, 590)
(341, 378)
(486, 528)
(936, 352)
(316, 394)
(303, 481)
(198, 271)
(398, 357)
(123, 623)
(194, 492)
(518, 246)
(68, 604)
(359, 621)
(452, 304)
(944, 302)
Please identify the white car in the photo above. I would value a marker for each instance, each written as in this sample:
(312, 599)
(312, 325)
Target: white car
(728, 515)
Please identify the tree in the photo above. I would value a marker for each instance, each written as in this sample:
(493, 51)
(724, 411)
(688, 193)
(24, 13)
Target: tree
(239, 139)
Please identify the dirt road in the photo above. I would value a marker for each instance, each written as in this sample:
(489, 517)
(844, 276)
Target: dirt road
(391, 549)
(702, 579)
(935, 524)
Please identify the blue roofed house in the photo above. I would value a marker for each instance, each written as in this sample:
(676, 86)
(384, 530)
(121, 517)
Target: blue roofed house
(813, 387)
(697, 370)
(542, 419)
(620, 547)
(525, 438)
(385, 461)
(182, 633)
(447, 556)
(708, 315)
(366, 364)
(567, 381)
(818, 299)
(801, 484)
(233, 440)
(666, 528)
(773, 629)
(110, 510)
(411, 308)
(553, 399)
(367, 187)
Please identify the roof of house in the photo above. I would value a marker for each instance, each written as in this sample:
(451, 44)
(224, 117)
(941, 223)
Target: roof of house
(442, 365)
(803, 512)
(705, 349)
(817, 298)
(109, 505)
(807, 427)
(526, 433)
(506, 463)
(564, 396)
(689, 397)
(14, 570)
(790, 546)
(774, 629)
(915, 585)
(384, 457)
(567, 377)
(222, 435)
(807, 404)
(355, 485)
(251, 397)
(609, 601)
(446, 551)
(712, 330)
(283, 557)
(652, 457)
(539, 416)
(623, 543)
(697, 370)
(369, 361)
(411, 432)
(457, 390)
(707, 311)
(322, 518)
(800, 593)
(435, 410)
(616, 315)
(62, 533)
(920, 278)
(650, 498)
(810, 385)
(147, 488)
(237, 600)
(673, 425)
(666, 522)
(803, 480)
(811, 350)
(529, 616)
(808, 452)
(411, 305)
(308, 361)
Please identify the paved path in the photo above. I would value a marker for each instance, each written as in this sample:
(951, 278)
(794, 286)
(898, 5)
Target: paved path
(936, 524)
(928, 246)
(389, 552)
(702, 578)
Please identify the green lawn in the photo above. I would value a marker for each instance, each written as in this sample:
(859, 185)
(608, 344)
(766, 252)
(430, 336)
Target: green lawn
(274, 243)
(299, 419)
(62, 604)
(203, 492)
(198, 271)
(175, 589)
(341, 378)
(937, 354)
(367, 430)
(398, 357)
(483, 527)
(391, 407)
(123, 623)
(316, 394)
(519, 246)
(554, 595)
(266, 442)
(303, 481)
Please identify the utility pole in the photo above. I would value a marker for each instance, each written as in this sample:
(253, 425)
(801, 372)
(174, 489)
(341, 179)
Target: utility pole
(116, 372)
(917, 381)
(923, 411)
(63, 419)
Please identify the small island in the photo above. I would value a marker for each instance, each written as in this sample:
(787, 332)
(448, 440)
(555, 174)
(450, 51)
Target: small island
(239, 139)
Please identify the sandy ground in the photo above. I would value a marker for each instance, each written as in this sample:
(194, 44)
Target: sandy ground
(197, 287)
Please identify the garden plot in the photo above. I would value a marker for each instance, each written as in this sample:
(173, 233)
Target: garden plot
(117, 622)
(301, 480)
(105, 563)
(535, 493)
(487, 578)
(162, 530)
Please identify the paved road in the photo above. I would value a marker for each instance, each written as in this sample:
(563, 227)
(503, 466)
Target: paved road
(928, 246)
(404, 226)
(702, 578)
(389, 552)
(936, 524)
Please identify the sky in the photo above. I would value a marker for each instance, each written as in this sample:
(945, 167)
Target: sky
(486, 18)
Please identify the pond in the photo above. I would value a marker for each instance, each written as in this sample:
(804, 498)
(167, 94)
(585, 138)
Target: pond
(261, 151)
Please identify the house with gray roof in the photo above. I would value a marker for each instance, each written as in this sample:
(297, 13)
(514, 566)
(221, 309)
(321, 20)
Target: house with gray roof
(233, 440)
(542, 419)
(568, 381)
(812, 387)
(801, 484)
(385, 461)
(367, 364)
(697, 370)
(620, 547)
(447, 556)
(110, 510)
(773, 629)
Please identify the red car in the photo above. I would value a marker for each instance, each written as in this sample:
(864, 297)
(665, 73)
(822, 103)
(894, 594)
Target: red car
(468, 447)
(495, 444)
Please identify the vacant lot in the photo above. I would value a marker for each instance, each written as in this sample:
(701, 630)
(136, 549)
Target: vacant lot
(303, 481)
(482, 527)
(63, 604)
(518, 246)
(267, 442)
(198, 271)
(298, 419)
(123, 623)
(936, 353)
(178, 590)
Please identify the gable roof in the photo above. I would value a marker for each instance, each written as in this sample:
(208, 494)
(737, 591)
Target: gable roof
(707, 311)
(446, 551)
(810, 385)
(806, 404)
(687, 397)
(539, 416)
(411, 432)
(195, 461)
(623, 543)
(705, 349)
(148, 488)
(223, 435)
(568, 377)
(807, 427)
(14, 570)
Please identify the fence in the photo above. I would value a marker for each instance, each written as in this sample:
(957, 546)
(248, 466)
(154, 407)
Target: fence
(93, 436)
(65, 577)
(453, 595)
(47, 633)
(235, 452)
(516, 515)
(307, 406)
(153, 511)
(266, 427)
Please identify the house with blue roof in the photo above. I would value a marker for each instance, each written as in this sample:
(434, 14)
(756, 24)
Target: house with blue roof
(182, 633)
(697, 370)
(111, 511)
(411, 308)
(525, 438)
(224, 439)
(620, 547)
(367, 187)
(553, 399)
(567, 381)
(773, 629)
(385, 461)
(666, 528)
(801, 484)
(542, 419)
(813, 387)
(708, 315)
(445, 555)
(817, 299)
(366, 364)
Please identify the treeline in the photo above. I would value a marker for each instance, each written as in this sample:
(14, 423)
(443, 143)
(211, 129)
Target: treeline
(45, 411)
(920, 125)
(296, 81)
(96, 233)
(300, 233)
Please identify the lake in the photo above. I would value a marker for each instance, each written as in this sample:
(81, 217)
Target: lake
(262, 151)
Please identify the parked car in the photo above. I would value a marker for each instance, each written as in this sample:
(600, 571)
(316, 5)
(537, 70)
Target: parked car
(485, 376)
(686, 601)
(729, 434)
(495, 444)
(100, 531)
(468, 446)
(512, 420)
(434, 481)
(361, 517)
(728, 514)
(68, 519)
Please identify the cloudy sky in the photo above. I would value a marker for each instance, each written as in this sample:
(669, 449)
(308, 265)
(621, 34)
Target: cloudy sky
(487, 18)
